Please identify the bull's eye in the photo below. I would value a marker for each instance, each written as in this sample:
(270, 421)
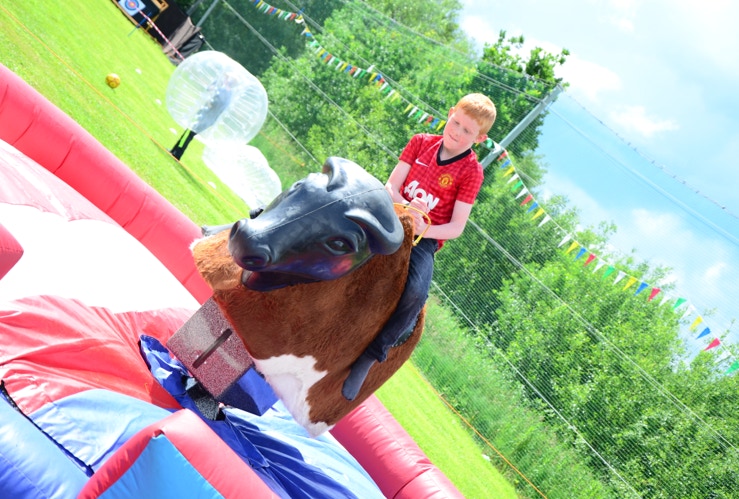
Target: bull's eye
(339, 246)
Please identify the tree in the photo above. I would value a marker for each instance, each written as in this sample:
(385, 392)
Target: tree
(605, 360)
(336, 113)
(251, 36)
(501, 68)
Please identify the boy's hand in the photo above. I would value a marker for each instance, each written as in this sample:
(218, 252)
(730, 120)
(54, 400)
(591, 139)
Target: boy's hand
(419, 222)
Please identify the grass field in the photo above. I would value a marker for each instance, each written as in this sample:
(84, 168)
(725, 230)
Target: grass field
(65, 52)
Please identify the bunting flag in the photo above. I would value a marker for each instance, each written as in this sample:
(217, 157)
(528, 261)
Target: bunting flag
(619, 277)
(608, 271)
(696, 323)
(713, 344)
(416, 113)
(630, 282)
(369, 74)
(529, 200)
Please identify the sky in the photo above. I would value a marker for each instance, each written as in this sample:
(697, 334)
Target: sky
(647, 134)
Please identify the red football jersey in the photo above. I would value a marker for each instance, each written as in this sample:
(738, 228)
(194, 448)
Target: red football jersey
(439, 183)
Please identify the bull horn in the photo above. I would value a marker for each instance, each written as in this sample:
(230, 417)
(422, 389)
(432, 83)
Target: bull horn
(335, 168)
(385, 234)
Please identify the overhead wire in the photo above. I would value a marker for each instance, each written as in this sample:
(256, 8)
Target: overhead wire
(670, 197)
(293, 137)
(720, 438)
(389, 20)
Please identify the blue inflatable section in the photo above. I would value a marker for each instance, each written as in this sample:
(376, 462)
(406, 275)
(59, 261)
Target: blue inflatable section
(31, 465)
(164, 457)
(52, 452)
(276, 453)
(92, 425)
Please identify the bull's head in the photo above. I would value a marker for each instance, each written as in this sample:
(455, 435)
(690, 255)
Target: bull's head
(321, 228)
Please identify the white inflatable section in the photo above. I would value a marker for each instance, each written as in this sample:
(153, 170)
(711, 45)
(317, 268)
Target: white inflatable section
(67, 259)
(94, 261)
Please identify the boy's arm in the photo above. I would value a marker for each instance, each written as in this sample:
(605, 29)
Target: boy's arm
(395, 182)
(446, 231)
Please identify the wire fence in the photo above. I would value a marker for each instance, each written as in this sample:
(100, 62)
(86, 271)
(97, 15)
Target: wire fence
(602, 345)
(572, 327)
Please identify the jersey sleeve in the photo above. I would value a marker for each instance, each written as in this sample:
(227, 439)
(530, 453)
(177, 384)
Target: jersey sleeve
(412, 149)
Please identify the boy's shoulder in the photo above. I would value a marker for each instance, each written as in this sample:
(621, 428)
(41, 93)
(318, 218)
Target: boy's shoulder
(426, 139)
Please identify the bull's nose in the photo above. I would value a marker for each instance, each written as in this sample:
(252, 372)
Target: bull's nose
(252, 261)
(236, 227)
(246, 251)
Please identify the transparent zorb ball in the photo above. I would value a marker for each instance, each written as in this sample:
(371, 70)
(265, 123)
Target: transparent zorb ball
(216, 97)
(245, 170)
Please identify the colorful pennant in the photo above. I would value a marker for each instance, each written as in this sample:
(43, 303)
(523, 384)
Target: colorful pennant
(417, 114)
(372, 76)
(504, 162)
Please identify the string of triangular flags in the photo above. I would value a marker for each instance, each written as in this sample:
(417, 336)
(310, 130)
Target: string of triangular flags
(412, 111)
(619, 276)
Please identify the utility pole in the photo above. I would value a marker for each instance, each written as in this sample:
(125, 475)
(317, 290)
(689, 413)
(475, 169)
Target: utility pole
(207, 12)
(498, 147)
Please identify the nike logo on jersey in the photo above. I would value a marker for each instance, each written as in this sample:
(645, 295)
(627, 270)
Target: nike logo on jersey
(418, 162)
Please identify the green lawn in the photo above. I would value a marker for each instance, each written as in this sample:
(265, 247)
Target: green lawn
(66, 53)
(442, 435)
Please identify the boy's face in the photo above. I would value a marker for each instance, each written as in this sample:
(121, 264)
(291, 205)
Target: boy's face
(460, 132)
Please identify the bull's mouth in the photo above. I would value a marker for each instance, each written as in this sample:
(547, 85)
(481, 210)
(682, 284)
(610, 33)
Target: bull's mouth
(268, 281)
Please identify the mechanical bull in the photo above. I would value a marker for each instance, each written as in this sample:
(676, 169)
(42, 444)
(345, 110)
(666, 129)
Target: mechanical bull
(309, 282)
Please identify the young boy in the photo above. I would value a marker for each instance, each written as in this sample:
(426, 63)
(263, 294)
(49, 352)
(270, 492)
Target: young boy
(439, 175)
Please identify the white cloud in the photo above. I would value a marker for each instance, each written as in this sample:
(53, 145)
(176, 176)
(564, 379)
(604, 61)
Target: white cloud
(577, 197)
(623, 24)
(702, 30)
(478, 29)
(653, 231)
(588, 79)
(715, 272)
(706, 278)
(659, 73)
(635, 119)
(622, 15)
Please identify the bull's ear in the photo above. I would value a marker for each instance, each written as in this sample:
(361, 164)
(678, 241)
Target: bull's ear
(335, 168)
(383, 228)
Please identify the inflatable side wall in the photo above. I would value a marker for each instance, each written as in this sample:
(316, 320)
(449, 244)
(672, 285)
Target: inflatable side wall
(41, 131)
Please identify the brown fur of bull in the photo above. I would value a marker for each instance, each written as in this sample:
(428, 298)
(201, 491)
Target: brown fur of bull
(330, 321)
